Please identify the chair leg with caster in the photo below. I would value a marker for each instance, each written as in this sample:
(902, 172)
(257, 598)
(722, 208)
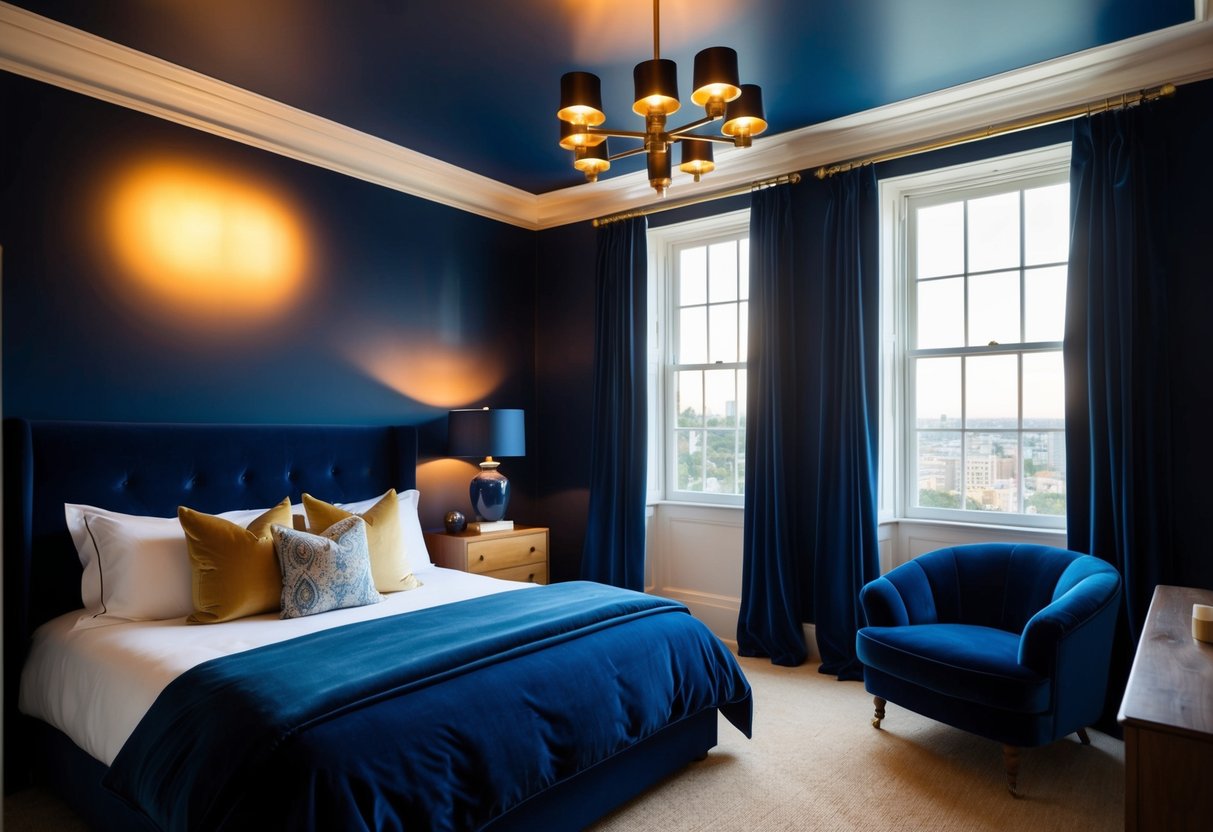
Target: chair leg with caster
(880, 703)
(1010, 758)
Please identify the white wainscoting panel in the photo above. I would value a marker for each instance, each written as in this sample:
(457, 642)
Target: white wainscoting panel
(695, 557)
(915, 538)
(886, 541)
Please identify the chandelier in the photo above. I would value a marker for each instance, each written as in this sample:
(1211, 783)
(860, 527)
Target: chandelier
(717, 89)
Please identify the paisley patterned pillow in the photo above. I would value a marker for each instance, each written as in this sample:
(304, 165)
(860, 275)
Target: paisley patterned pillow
(326, 571)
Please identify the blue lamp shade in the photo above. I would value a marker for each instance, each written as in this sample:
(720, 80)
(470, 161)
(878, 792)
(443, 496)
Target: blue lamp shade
(487, 433)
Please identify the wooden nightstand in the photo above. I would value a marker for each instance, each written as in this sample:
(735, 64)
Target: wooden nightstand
(520, 554)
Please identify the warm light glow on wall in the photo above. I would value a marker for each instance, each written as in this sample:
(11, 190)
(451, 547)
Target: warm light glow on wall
(428, 371)
(443, 484)
(205, 244)
(607, 30)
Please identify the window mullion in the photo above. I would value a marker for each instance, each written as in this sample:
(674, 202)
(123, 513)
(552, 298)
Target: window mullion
(1023, 262)
(964, 373)
(1020, 484)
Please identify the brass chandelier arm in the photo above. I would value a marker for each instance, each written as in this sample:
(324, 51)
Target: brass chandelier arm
(668, 137)
(670, 134)
(678, 131)
(635, 151)
(700, 138)
(619, 134)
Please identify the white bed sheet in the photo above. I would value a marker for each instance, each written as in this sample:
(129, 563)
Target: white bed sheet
(95, 684)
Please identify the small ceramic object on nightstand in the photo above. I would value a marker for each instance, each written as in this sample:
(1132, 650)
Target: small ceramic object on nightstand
(455, 522)
(1202, 622)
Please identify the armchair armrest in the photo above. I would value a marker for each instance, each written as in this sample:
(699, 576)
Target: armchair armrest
(882, 604)
(1046, 631)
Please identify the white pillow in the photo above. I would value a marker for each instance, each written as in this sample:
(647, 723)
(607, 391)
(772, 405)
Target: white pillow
(135, 568)
(410, 525)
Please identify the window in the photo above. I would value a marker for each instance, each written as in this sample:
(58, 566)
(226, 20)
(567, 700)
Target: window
(979, 292)
(699, 286)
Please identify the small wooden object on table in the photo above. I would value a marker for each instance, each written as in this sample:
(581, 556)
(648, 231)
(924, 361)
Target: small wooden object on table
(1167, 713)
(519, 554)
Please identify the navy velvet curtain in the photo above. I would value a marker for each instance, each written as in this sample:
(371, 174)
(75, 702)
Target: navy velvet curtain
(614, 540)
(773, 561)
(1118, 372)
(1138, 392)
(846, 552)
(810, 522)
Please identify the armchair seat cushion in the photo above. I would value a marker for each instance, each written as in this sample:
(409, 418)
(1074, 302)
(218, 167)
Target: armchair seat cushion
(966, 661)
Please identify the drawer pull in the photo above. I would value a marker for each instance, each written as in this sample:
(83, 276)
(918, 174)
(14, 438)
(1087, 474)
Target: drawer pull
(532, 548)
(531, 578)
(482, 558)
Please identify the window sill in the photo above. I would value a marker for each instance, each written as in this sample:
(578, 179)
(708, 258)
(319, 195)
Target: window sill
(959, 524)
(688, 504)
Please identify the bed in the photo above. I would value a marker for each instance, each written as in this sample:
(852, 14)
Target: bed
(466, 714)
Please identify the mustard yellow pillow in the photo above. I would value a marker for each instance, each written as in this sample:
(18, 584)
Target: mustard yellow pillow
(384, 537)
(235, 571)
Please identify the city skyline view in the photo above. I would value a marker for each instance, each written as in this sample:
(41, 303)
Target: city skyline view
(988, 304)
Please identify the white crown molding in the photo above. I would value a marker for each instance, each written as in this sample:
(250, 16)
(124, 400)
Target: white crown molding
(39, 48)
(43, 49)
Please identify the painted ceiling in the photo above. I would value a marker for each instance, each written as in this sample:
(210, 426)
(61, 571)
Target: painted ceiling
(476, 83)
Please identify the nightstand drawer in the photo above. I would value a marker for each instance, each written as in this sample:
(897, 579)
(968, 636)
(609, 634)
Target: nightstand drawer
(532, 573)
(507, 552)
(518, 554)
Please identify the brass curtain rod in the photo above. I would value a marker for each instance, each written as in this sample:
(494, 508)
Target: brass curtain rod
(1052, 117)
(786, 179)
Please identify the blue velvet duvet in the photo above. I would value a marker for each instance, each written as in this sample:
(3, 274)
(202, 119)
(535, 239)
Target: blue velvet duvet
(439, 719)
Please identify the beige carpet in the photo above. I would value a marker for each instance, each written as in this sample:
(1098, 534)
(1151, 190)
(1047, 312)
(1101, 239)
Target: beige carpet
(815, 763)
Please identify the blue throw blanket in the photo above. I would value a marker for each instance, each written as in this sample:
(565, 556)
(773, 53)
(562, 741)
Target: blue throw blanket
(437, 719)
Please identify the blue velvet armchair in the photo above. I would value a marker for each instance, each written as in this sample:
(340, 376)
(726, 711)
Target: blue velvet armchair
(1010, 642)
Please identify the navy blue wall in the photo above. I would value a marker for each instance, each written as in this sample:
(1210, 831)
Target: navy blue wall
(564, 366)
(410, 307)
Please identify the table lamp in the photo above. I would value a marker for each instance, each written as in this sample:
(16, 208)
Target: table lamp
(487, 433)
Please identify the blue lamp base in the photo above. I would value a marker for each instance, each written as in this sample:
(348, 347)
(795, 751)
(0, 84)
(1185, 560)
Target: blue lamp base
(490, 492)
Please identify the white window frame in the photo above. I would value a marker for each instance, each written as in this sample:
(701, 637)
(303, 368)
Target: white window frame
(663, 245)
(1027, 169)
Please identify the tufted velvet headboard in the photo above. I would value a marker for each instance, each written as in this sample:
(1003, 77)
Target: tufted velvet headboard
(150, 469)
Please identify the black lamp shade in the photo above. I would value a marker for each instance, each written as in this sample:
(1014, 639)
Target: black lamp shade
(694, 151)
(581, 99)
(592, 160)
(656, 87)
(696, 157)
(716, 75)
(745, 115)
(573, 136)
(486, 432)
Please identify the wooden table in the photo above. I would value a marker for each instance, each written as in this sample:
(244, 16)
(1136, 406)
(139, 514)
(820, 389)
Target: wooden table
(1167, 713)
